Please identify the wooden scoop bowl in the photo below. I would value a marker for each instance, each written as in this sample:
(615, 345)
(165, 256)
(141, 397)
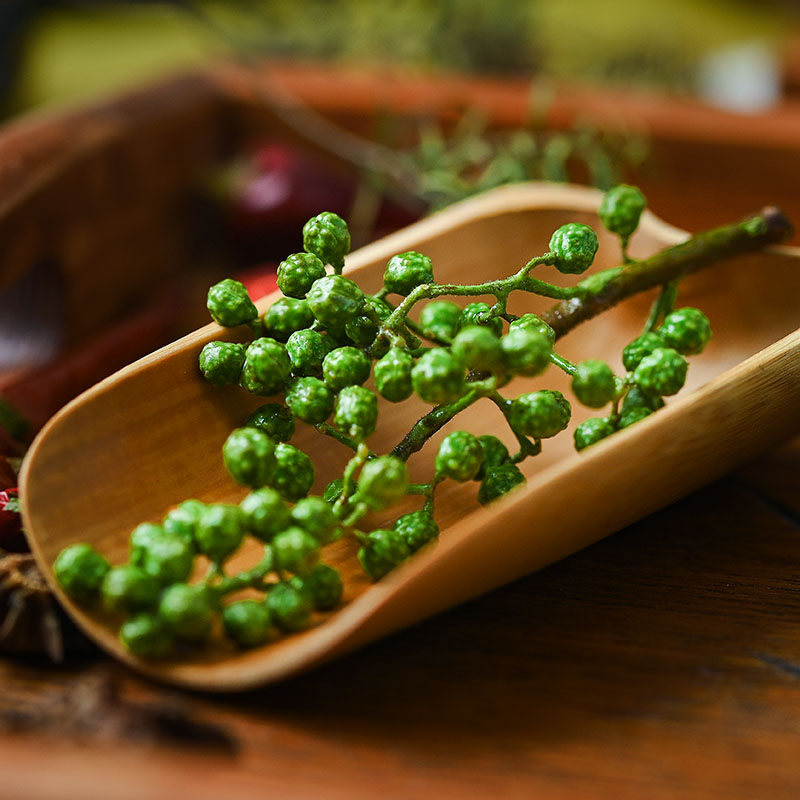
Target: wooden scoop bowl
(149, 437)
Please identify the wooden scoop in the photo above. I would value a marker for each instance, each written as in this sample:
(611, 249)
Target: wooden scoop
(149, 437)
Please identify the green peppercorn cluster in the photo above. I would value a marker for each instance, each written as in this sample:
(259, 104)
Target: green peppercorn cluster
(330, 356)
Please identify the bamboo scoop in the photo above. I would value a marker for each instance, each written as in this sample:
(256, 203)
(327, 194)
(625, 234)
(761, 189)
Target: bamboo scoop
(149, 437)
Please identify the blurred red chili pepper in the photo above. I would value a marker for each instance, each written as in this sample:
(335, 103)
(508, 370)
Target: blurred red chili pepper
(11, 537)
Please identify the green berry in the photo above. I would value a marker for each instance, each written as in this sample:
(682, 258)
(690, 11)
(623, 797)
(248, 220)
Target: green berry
(356, 412)
(534, 323)
(142, 536)
(296, 550)
(406, 271)
(187, 611)
(310, 400)
(636, 397)
(265, 514)
(335, 300)
(181, 521)
(287, 315)
(362, 329)
(315, 515)
(640, 347)
(289, 608)
(460, 456)
(498, 481)
(294, 473)
(345, 366)
(297, 272)
(591, 431)
(229, 303)
(632, 415)
(248, 623)
(221, 363)
(478, 348)
(594, 383)
(382, 482)
(393, 375)
(663, 372)
(249, 456)
(267, 367)
(306, 350)
(79, 570)
(146, 635)
(219, 531)
(417, 529)
(327, 237)
(478, 314)
(574, 246)
(438, 376)
(273, 419)
(686, 330)
(384, 550)
(166, 557)
(439, 320)
(621, 208)
(128, 589)
(495, 453)
(526, 350)
(323, 585)
(540, 414)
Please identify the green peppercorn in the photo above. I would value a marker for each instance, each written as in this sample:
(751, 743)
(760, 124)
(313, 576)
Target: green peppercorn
(297, 272)
(495, 453)
(439, 320)
(287, 315)
(356, 412)
(180, 521)
(663, 372)
(187, 611)
(310, 400)
(267, 367)
(79, 570)
(640, 347)
(362, 329)
(438, 376)
(393, 375)
(594, 383)
(249, 456)
(273, 419)
(294, 473)
(323, 585)
(327, 237)
(478, 348)
(333, 491)
(499, 481)
(345, 366)
(335, 300)
(686, 330)
(574, 246)
(382, 482)
(146, 636)
(632, 415)
(248, 623)
(221, 363)
(229, 303)
(526, 350)
(296, 550)
(385, 550)
(591, 431)
(540, 414)
(306, 350)
(219, 531)
(142, 536)
(289, 608)
(535, 323)
(460, 456)
(636, 397)
(128, 589)
(621, 208)
(166, 557)
(315, 515)
(478, 314)
(406, 271)
(265, 513)
(417, 529)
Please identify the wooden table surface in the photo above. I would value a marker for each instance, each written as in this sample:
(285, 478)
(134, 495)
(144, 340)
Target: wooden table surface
(663, 662)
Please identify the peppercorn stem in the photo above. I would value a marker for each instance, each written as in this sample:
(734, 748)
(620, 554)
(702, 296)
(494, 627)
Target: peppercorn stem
(247, 578)
(563, 364)
(662, 305)
(328, 429)
(526, 447)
